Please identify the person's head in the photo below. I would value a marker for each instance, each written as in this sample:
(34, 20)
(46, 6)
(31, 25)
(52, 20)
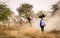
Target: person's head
(41, 18)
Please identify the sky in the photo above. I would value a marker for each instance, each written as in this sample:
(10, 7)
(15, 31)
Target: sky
(38, 5)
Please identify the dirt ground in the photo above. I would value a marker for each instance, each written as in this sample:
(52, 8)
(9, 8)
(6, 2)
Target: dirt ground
(22, 32)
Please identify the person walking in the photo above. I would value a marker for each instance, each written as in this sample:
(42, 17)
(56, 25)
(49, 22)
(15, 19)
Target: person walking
(42, 22)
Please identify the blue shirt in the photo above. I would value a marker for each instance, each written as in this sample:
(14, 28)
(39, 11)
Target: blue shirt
(42, 23)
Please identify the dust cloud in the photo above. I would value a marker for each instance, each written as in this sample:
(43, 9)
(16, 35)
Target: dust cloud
(52, 22)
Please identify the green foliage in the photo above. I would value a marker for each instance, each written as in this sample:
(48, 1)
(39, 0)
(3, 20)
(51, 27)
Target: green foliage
(39, 13)
(4, 12)
(25, 9)
(27, 15)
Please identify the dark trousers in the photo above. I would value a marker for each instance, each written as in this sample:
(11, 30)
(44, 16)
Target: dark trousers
(42, 28)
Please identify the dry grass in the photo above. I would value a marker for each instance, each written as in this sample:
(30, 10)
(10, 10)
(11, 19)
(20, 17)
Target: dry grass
(18, 32)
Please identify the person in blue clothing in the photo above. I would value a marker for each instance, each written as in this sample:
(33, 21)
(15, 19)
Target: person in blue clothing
(42, 24)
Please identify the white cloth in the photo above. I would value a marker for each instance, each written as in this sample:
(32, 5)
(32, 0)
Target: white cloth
(43, 23)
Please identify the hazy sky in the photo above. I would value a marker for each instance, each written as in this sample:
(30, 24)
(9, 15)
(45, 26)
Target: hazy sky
(37, 4)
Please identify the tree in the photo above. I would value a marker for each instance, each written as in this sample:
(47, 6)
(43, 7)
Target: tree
(55, 7)
(25, 9)
(39, 13)
(4, 12)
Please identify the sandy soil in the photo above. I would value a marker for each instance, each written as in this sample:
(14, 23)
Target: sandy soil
(18, 32)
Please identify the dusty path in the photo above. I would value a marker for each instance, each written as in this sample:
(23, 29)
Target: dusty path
(34, 30)
(27, 32)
